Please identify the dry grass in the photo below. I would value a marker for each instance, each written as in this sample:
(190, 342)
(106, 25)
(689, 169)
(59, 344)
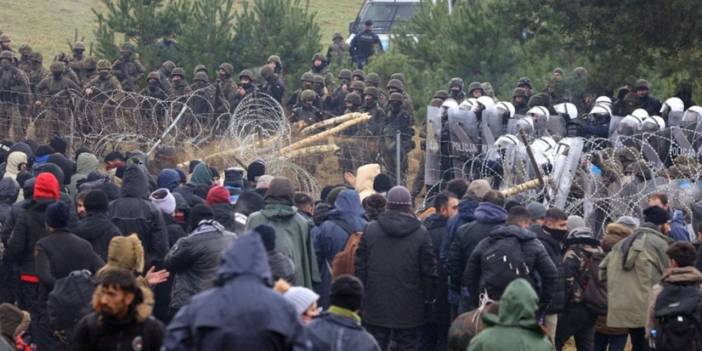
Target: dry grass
(47, 24)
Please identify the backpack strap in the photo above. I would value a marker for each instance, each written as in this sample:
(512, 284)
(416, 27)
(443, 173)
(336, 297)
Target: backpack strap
(345, 226)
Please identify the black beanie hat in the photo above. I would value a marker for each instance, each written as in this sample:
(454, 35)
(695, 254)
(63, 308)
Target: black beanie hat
(59, 145)
(255, 169)
(267, 234)
(44, 150)
(199, 213)
(57, 215)
(96, 201)
(656, 215)
(346, 292)
(382, 183)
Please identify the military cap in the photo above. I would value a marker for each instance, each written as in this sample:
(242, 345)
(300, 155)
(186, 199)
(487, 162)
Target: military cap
(25, 49)
(474, 85)
(558, 70)
(61, 57)
(37, 57)
(373, 78)
(372, 91)
(353, 98)
(4, 38)
(318, 79)
(642, 84)
(398, 76)
(580, 72)
(519, 92)
(441, 94)
(307, 77)
(79, 46)
(168, 65)
(358, 85)
(267, 72)
(7, 54)
(396, 84)
(318, 56)
(199, 68)
(274, 58)
(104, 65)
(345, 74)
(57, 67)
(337, 35)
(201, 77)
(153, 75)
(90, 63)
(178, 71)
(456, 82)
(359, 73)
(127, 47)
(395, 97)
(308, 94)
(246, 73)
(524, 81)
(227, 68)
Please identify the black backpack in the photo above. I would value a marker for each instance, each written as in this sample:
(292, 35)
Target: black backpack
(678, 317)
(501, 263)
(69, 301)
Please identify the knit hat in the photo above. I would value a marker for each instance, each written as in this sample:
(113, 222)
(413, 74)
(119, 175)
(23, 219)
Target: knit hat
(256, 169)
(346, 292)
(126, 252)
(163, 200)
(218, 195)
(198, 214)
(57, 215)
(168, 178)
(59, 145)
(575, 222)
(399, 195)
(46, 187)
(96, 201)
(281, 190)
(628, 221)
(331, 199)
(44, 150)
(234, 176)
(478, 188)
(656, 215)
(301, 298)
(202, 175)
(536, 211)
(13, 320)
(382, 183)
(581, 235)
(267, 234)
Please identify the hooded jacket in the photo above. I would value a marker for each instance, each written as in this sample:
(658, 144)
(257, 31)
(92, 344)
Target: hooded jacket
(516, 327)
(14, 160)
(679, 275)
(134, 213)
(97, 229)
(67, 167)
(396, 263)
(12, 319)
(54, 263)
(488, 217)
(629, 271)
(466, 214)
(292, 235)
(535, 258)
(331, 236)
(85, 164)
(332, 331)
(194, 260)
(441, 312)
(364, 179)
(9, 190)
(241, 312)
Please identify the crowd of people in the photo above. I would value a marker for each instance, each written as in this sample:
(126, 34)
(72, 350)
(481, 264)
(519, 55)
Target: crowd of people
(129, 250)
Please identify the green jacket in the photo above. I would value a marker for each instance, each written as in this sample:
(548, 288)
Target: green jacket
(292, 239)
(516, 327)
(629, 271)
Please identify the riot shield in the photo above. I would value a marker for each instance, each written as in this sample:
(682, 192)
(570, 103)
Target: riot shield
(432, 160)
(568, 153)
(557, 126)
(465, 136)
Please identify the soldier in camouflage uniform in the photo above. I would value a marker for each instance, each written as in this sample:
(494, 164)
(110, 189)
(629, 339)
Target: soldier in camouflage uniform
(14, 92)
(396, 86)
(156, 104)
(371, 133)
(307, 113)
(373, 80)
(165, 71)
(358, 87)
(358, 74)
(54, 94)
(202, 101)
(226, 89)
(68, 71)
(398, 119)
(307, 80)
(127, 68)
(36, 72)
(80, 64)
(179, 86)
(5, 46)
(25, 61)
(350, 147)
(103, 91)
(272, 85)
(338, 51)
(200, 68)
(246, 86)
(338, 97)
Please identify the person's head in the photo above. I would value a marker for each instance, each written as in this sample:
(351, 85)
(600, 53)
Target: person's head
(94, 201)
(399, 199)
(518, 216)
(537, 212)
(117, 293)
(305, 302)
(304, 203)
(248, 203)
(200, 213)
(558, 73)
(681, 254)
(477, 189)
(658, 199)
(642, 87)
(281, 190)
(81, 211)
(446, 204)
(346, 292)
(382, 183)
(556, 223)
(374, 205)
(658, 217)
(164, 201)
(369, 25)
(494, 197)
(458, 186)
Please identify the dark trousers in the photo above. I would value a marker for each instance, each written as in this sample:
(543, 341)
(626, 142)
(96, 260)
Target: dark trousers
(434, 337)
(9, 279)
(576, 321)
(615, 342)
(638, 339)
(390, 339)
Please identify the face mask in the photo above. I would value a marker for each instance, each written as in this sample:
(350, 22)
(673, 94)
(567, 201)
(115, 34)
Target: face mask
(557, 233)
(57, 76)
(104, 74)
(153, 84)
(396, 105)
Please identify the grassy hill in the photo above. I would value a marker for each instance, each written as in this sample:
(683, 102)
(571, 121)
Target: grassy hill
(46, 25)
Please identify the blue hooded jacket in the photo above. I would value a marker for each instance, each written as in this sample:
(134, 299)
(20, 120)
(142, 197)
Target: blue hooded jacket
(242, 313)
(330, 237)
